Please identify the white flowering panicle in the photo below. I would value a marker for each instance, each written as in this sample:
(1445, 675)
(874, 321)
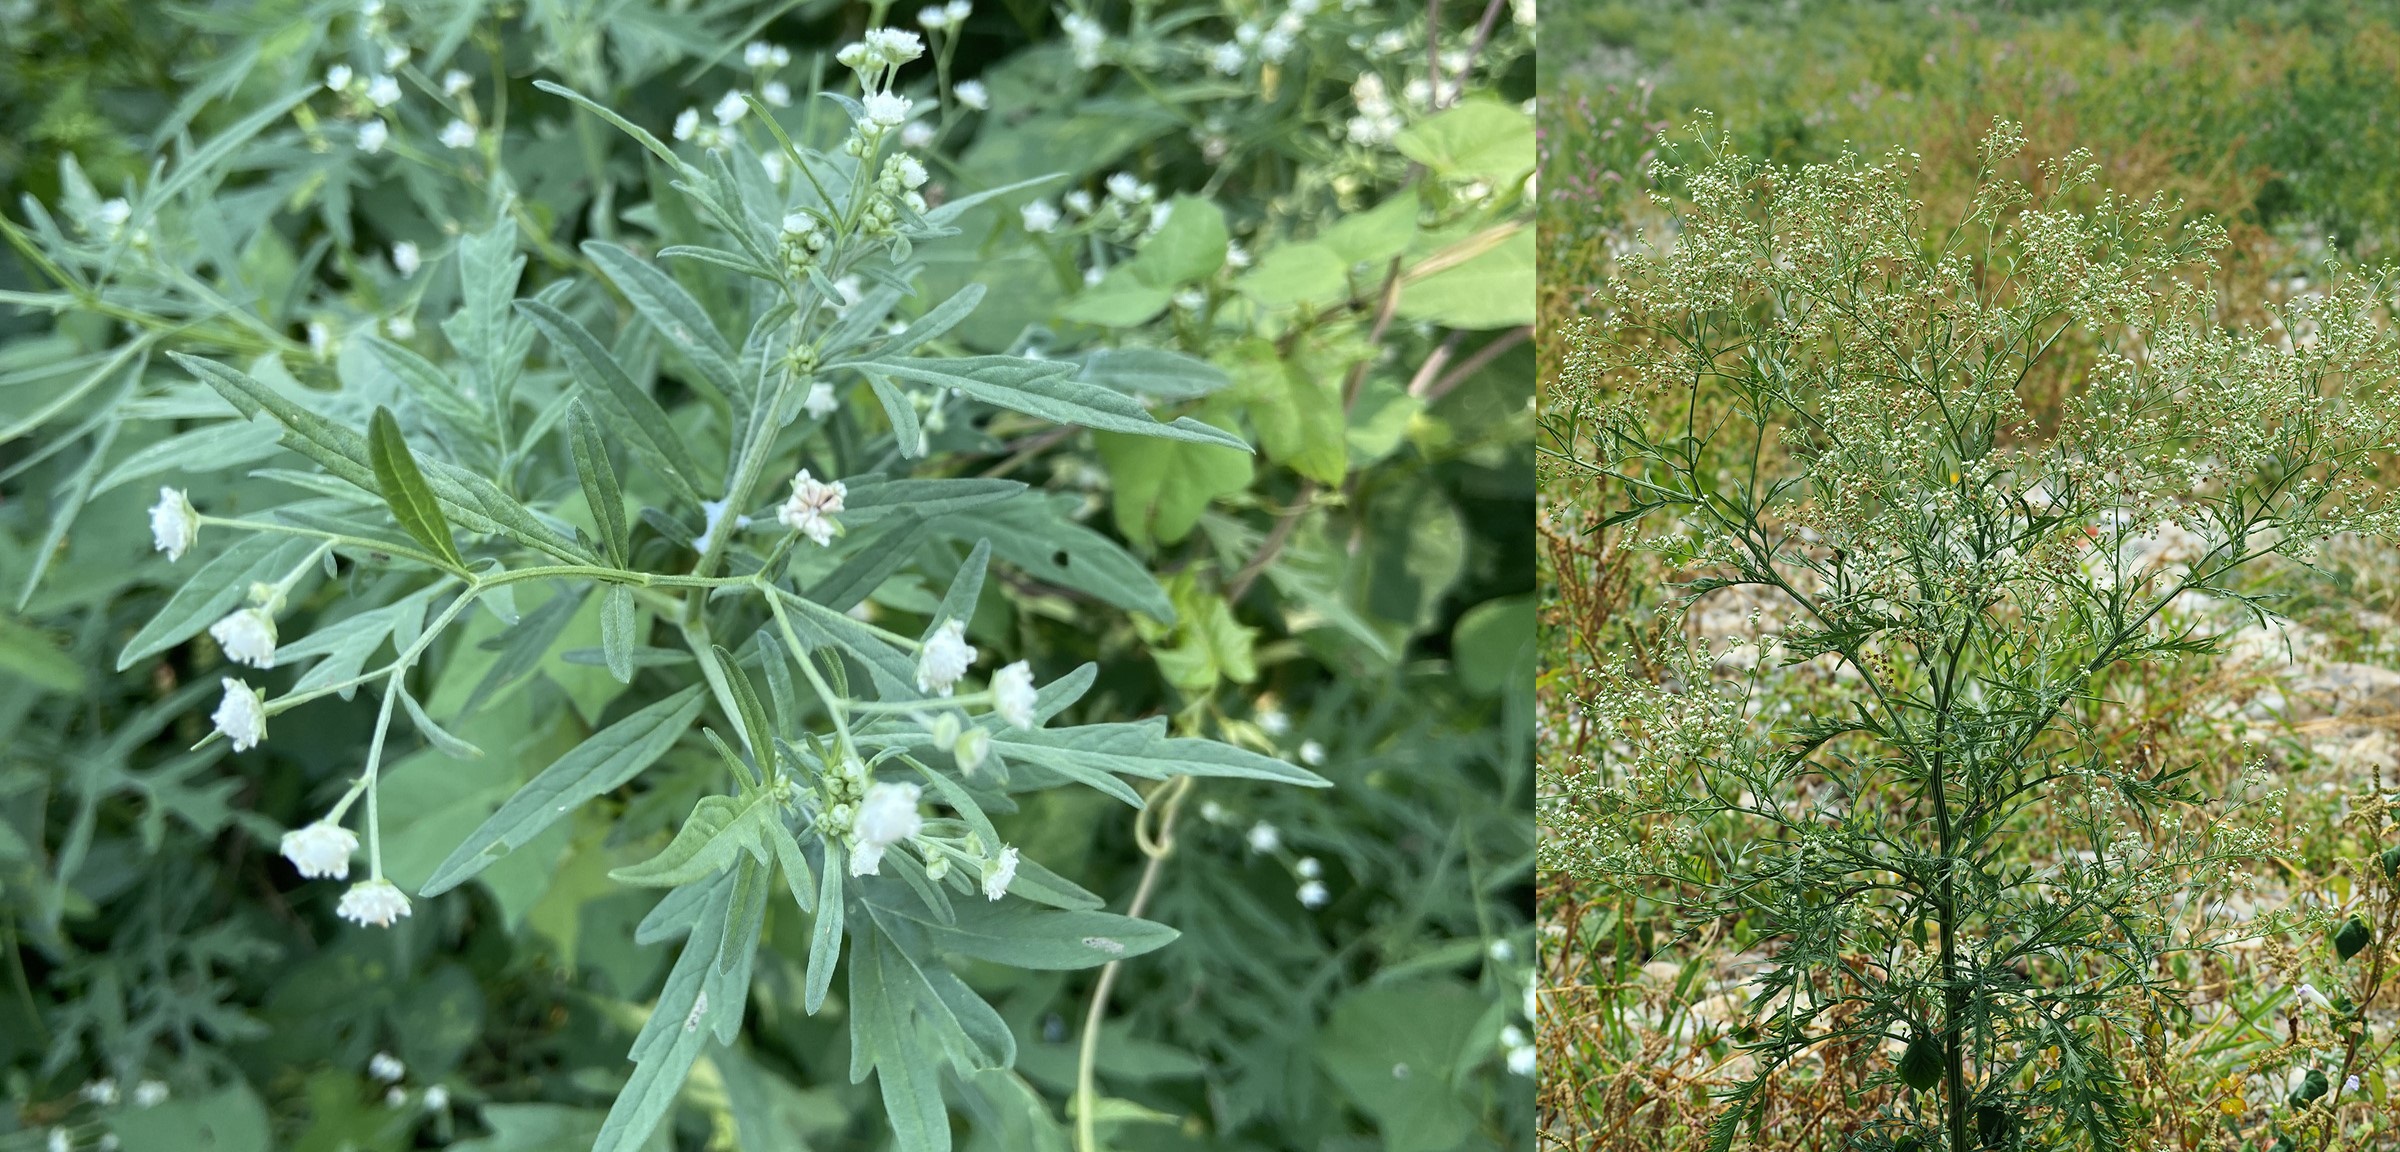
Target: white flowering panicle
(812, 506)
(945, 658)
(373, 902)
(887, 815)
(241, 716)
(1013, 696)
(321, 850)
(174, 523)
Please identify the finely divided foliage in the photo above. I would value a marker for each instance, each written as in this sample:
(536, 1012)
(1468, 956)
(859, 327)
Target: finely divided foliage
(1954, 573)
(862, 762)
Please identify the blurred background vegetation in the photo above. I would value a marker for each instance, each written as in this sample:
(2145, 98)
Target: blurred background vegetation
(2279, 119)
(1372, 616)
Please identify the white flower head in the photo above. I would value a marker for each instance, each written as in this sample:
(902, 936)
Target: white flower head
(1077, 201)
(386, 1067)
(1309, 868)
(812, 507)
(247, 636)
(917, 134)
(174, 523)
(1013, 696)
(998, 871)
(886, 816)
(383, 91)
(730, 109)
(885, 109)
(1264, 837)
(437, 1098)
(102, 1092)
(687, 123)
(1312, 753)
(372, 136)
(402, 327)
(772, 162)
(1275, 45)
(376, 902)
(896, 46)
(1086, 36)
(320, 850)
(338, 77)
(857, 58)
(1521, 1060)
(320, 339)
(460, 134)
(241, 716)
(406, 259)
(1313, 894)
(394, 57)
(758, 54)
(777, 94)
(455, 82)
(959, 10)
(1228, 58)
(907, 169)
(150, 1093)
(59, 1140)
(1125, 186)
(973, 94)
(945, 658)
(113, 214)
(933, 17)
(1274, 721)
(821, 401)
(1039, 216)
(395, 1097)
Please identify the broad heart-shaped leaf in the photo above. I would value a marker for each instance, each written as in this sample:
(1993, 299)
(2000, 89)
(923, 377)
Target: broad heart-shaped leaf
(1491, 289)
(601, 764)
(1043, 388)
(631, 411)
(1023, 935)
(720, 828)
(214, 590)
(1423, 1026)
(404, 488)
(674, 313)
(599, 479)
(1096, 753)
(1161, 489)
(1189, 246)
(1296, 407)
(1480, 139)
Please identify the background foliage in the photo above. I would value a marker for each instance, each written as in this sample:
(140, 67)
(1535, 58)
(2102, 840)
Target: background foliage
(2264, 117)
(1346, 259)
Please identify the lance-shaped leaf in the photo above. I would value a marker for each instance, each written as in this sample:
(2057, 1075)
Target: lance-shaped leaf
(885, 1038)
(671, 310)
(719, 829)
(872, 497)
(213, 591)
(825, 938)
(599, 765)
(672, 1038)
(1024, 935)
(600, 490)
(1046, 388)
(1093, 752)
(632, 412)
(404, 488)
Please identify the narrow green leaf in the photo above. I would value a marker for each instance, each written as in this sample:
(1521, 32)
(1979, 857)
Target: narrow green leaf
(825, 939)
(617, 631)
(599, 765)
(435, 734)
(965, 589)
(600, 491)
(1023, 935)
(672, 311)
(636, 414)
(1043, 388)
(902, 412)
(796, 873)
(404, 488)
(213, 591)
(755, 730)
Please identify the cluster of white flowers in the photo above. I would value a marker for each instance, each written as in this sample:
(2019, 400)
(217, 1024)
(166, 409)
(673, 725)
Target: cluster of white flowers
(386, 1067)
(150, 1093)
(373, 135)
(1086, 37)
(375, 901)
(1013, 696)
(1378, 121)
(1264, 838)
(1040, 217)
(945, 658)
(406, 259)
(174, 523)
(887, 815)
(811, 509)
(320, 850)
(1519, 1050)
(242, 716)
(942, 17)
(760, 56)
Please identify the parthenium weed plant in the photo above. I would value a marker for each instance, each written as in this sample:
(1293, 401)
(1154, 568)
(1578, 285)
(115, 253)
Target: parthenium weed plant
(835, 735)
(1812, 392)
